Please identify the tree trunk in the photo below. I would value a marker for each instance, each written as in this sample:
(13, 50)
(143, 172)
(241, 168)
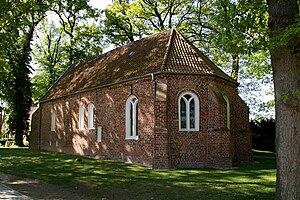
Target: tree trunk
(286, 73)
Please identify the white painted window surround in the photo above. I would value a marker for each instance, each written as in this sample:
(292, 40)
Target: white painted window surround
(132, 117)
(53, 119)
(227, 111)
(91, 116)
(81, 117)
(188, 111)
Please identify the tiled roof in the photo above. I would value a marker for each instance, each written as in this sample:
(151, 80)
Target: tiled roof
(167, 52)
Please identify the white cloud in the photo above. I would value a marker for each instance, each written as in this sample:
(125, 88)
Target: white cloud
(101, 4)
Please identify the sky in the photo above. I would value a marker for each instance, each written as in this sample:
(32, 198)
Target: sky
(100, 3)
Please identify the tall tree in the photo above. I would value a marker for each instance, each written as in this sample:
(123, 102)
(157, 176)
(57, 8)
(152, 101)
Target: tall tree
(229, 30)
(71, 15)
(18, 24)
(121, 25)
(48, 50)
(49, 57)
(284, 23)
(58, 45)
(126, 20)
(164, 14)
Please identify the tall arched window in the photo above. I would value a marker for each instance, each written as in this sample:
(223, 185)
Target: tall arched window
(91, 116)
(81, 117)
(188, 107)
(227, 111)
(132, 118)
(53, 119)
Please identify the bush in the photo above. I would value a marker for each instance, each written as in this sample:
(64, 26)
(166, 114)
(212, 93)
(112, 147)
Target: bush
(7, 141)
(263, 134)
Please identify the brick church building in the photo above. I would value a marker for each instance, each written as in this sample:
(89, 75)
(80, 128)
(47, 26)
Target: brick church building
(158, 102)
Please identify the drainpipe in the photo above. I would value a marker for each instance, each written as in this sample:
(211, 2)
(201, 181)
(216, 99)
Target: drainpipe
(154, 98)
(154, 103)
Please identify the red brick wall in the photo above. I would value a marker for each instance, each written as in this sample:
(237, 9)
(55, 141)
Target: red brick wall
(213, 145)
(109, 113)
(160, 143)
(35, 129)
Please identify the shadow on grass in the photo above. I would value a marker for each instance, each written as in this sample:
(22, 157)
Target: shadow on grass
(98, 179)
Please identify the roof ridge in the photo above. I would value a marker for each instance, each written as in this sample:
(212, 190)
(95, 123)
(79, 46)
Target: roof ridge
(168, 50)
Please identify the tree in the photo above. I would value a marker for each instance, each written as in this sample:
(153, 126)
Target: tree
(121, 25)
(285, 57)
(72, 15)
(18, 21)
(127, 20)
(49, 56)
(164, 14)
(58, 45)
(229, 30)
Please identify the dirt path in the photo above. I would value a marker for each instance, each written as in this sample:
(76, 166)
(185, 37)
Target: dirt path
(37, 189)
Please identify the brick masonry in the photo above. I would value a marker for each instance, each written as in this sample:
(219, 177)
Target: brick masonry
(160, 143)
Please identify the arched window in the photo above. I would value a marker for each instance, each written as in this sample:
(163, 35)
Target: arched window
(81, 117)
(132, 118)
(227, 111)
(188, 107)
(53, 119)
(91, 116)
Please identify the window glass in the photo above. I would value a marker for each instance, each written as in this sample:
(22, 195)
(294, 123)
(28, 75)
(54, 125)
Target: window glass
(91, 116)
(132, 118)
(188, 112)
(183, 113)
(81, 117)
(192, 113)
(53, 120)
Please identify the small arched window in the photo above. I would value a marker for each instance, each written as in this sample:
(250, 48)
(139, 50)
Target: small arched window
(188, 107)
(132, 118)
(53, 119)
(81, 117)
(91, 116)
(227, 111)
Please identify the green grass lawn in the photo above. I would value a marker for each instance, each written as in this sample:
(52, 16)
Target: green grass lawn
(116, 180)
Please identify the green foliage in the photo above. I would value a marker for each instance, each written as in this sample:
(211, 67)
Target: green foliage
(126, 21)
(18, 21)
(121, 25)
(230, 30)
(59, 45)
(72, 16)
(116, 180)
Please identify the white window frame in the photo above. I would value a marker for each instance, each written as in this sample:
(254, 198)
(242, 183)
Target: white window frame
(81, 117)
(187, 102)
(227, 111)
(91, 124)
(132, 131)
(53, 119)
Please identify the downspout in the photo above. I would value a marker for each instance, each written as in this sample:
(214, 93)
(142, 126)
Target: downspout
(154, 104)
(154, 97)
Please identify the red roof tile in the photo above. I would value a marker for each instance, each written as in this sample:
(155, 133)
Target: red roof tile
(167, 52)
